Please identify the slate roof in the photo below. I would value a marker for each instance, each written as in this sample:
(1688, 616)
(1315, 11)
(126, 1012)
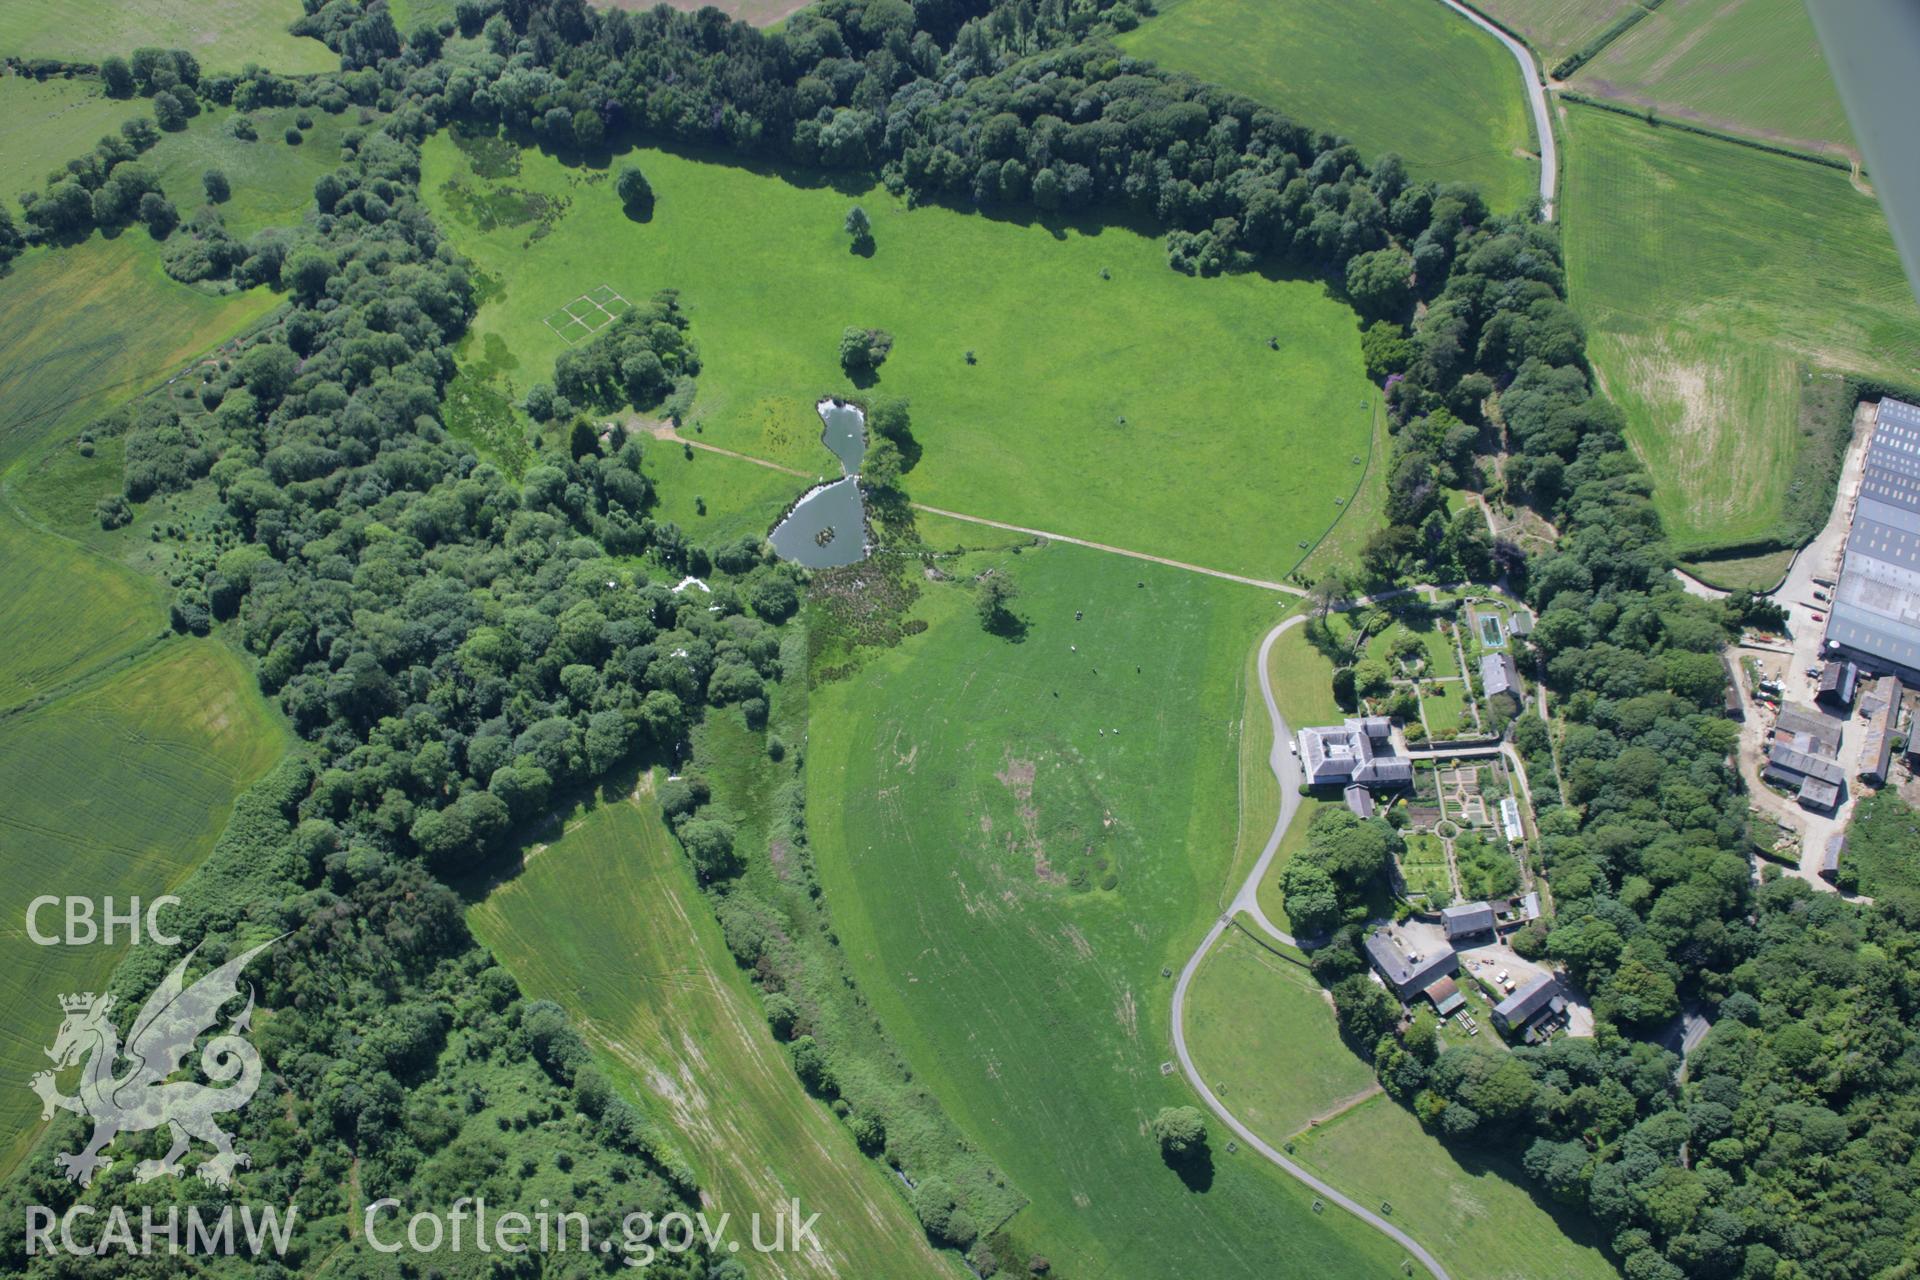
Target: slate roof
(1526, 1003)
(1467, 919)
(1405, 975)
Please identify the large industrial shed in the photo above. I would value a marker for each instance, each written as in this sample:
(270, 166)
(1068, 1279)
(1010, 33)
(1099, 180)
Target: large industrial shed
(1875, 618)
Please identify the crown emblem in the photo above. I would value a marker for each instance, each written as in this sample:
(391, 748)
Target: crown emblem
(77, 1003)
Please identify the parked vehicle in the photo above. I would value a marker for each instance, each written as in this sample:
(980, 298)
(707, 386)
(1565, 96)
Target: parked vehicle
(1819, 617)
(1819, 595)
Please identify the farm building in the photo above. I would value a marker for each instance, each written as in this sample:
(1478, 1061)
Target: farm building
(1522, 624)
(1520, 910)
(1818, 778)
(1530, 1004)
(1883, 715)
(1500, 679)
(1875, 615)
(1822, 731)
(1408, 973)
(1466, 920)
(1732, 706)
(1360, 751)
(1446, 997)
(1839, 681)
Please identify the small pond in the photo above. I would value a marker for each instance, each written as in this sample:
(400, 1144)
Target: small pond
(845, 432)
(827, 528)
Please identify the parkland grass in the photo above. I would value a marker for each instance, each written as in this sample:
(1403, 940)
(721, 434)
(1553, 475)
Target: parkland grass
(1712, 277)
(45, 123)
(1020, 842)
(607, 922)
(1408, 76)
(225, 35)
(1160, 395)
(116, 789)
(1750, 66)
(272, 179)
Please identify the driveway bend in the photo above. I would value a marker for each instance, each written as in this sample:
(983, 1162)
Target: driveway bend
(1286, 772)
(1536, 98)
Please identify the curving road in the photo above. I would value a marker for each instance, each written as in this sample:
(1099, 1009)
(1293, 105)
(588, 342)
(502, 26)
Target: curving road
(1536, 98)
(1286, 772)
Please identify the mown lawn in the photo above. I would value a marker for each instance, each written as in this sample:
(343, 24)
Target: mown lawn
(1749, 66)
(1709, 274)
(966, 808)
(225, 35)
(607, 922)
(45, 123)
(1138, 407)
(1409, 76)
(1471, 1210)
(115, 789)
(1263, 1032)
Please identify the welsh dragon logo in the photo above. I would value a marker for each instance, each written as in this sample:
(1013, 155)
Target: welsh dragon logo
(142, 1097)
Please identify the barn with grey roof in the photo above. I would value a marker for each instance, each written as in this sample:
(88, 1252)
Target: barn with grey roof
(1875, 613)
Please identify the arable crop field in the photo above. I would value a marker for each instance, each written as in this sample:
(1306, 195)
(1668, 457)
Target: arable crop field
(1408, 76)
(1712, 277)
(1749, 66)
(1110, 398)
(89, 326)
(607, 922)
(1020, 842)
(117, 788)
(1556, 28)
(45, 123)
(225, 35)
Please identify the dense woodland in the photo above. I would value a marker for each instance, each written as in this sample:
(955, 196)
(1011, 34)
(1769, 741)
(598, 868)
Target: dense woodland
(459, 650)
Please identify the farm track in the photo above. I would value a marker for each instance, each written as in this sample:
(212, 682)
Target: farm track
(665, 431)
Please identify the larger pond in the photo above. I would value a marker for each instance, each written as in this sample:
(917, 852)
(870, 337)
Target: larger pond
(826, 529)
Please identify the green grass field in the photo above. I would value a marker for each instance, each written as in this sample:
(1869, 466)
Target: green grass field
(1472, 1211)
(1259, 1025)
(1230, 454)
(66, 612)
(224, 35)
(1408, 76)
(89, 326)
(1556, 28)
(964, 818)
(44, 124)
(607, 922)
(116, 789)
(272, 181)
(1709, 274)
(1749, 66)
